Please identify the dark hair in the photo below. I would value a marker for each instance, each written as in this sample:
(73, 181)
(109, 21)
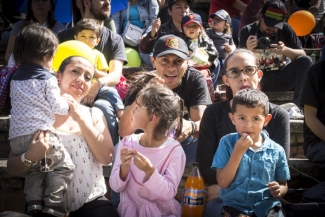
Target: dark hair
(139, 80)
(166, 105)
(88, 24)
(76, 11)
(229, 94)
(50, 15)
(33, 43)
(251, 98)
(64, 63)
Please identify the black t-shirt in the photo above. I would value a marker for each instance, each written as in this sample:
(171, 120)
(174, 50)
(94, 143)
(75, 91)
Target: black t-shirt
(216, 123)
(111, 44)
(313, 94)
(268, 60)
(192, 89)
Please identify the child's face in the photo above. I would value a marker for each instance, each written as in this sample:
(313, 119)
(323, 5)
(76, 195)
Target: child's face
(140, 117)
(192, 30)
(218, 24)
(250, 120)
(89, 37)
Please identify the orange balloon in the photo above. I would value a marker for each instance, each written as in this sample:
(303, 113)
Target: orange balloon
(302, 22)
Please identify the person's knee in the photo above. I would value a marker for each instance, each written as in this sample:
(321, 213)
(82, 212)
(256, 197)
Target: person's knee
(304, 61)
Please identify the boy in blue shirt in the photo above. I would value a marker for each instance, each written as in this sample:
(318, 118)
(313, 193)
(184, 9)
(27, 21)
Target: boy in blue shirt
(252, 170)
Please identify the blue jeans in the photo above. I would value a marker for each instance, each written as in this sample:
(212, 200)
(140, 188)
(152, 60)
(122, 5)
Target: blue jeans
(189, 146)
(213, 208)
(146, 59)
(106, 101)
(235, 21)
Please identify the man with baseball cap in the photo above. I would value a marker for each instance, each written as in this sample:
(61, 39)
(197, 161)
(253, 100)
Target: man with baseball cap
(170, 56)
(176, 10)
(274, 41)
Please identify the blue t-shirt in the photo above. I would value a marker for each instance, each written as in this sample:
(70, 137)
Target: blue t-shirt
(249, 190)
(134, 18)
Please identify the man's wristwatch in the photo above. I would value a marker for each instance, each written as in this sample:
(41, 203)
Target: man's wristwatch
(99, 81)
(27, 162)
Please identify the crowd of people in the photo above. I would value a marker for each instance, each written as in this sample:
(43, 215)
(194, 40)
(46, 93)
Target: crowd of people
(68, 119)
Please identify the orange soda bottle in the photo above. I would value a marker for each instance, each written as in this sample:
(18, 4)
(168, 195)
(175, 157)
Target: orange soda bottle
(194, 193)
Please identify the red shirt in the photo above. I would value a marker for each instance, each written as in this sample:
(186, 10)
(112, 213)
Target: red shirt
(227, 5)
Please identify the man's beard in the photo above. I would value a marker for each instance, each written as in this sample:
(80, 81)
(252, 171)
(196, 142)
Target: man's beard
(98, 15)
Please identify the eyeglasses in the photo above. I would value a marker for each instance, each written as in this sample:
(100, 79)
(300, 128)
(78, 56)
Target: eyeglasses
(248, 70)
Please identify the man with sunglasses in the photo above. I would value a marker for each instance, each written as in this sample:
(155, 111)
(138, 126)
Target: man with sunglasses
(278, 49)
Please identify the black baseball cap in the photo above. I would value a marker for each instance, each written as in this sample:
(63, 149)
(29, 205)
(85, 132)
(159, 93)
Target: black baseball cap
(170, 44)
(191, 18)
(274, 12)
(171, 2)
(221, 14)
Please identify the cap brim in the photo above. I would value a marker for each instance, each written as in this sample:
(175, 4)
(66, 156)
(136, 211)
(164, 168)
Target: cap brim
(176, 52)
(192, 21)
(273, 23)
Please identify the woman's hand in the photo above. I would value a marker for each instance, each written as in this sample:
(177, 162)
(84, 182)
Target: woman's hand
(212, 192)
(155, 27)
(91, 96)
(75, 110)
(143, 163)
(38, 146)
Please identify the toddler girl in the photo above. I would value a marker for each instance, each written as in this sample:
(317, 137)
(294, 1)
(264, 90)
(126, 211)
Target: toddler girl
(203, 53)
(149, 166)
(220, 33)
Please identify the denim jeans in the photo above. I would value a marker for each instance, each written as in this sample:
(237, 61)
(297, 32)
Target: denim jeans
(106, 101)
(213, 208)
(216, 74)
(146, 59)
(235, 21)
(288, 78)
(189, 146)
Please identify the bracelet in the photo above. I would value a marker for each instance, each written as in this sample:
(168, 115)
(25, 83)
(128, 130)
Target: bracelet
(193, 127)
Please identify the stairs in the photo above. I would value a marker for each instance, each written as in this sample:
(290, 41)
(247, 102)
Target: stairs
(11, 188)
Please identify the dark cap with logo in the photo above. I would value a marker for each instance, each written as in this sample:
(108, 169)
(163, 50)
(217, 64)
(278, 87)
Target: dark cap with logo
(191, 18)
(222, 14)
(171, 2)
(274, 13)
(170, 44)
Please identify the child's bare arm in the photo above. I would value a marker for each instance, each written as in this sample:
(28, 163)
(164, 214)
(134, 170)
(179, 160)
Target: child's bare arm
(278, 189)
(226, 175)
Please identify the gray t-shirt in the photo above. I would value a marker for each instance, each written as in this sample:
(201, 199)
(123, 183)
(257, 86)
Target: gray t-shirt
(111, 44)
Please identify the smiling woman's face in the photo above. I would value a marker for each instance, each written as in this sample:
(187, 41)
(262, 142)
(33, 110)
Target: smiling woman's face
(240, 61)
(76, 78)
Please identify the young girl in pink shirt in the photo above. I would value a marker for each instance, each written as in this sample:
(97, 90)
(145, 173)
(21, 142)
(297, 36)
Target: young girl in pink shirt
(149, 166)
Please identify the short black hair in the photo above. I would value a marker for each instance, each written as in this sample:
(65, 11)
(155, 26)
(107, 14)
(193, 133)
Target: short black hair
(251, 98)
(33, 43)
(88, 24)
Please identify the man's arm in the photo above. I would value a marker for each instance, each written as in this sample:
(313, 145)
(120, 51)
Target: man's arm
(280, 48)
(115, 73)
(196, 114)
(315, 125)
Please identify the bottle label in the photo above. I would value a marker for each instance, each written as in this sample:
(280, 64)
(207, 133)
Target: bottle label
(193, 197)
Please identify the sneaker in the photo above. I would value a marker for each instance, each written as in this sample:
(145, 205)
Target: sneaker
(57, 211)
(34, 206)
